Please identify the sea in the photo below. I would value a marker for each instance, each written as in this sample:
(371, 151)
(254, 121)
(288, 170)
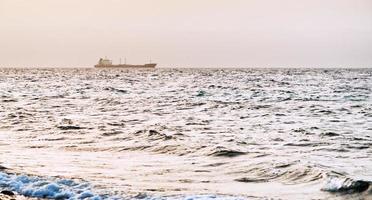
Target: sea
(190, 134)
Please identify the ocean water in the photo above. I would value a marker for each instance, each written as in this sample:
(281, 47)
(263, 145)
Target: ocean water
(186, 133)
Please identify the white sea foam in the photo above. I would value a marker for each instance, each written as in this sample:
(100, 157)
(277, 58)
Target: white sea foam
(42, 188)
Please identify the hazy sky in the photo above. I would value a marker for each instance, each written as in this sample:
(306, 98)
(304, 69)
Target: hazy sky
(197, 33)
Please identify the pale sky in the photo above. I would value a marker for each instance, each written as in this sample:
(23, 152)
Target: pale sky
(187, 33)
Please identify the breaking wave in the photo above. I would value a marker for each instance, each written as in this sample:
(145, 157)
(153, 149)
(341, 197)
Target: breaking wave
(345, 185)
(32, 186)
(36, 187)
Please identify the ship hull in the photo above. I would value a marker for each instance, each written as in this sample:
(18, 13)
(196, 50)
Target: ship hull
(145, 66)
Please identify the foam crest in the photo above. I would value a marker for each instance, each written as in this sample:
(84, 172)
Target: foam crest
(345, 185)
(42, 188)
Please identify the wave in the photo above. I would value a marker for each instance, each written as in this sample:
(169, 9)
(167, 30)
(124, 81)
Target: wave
(345, 185)
(37, 187)
(286, 173)
(32, 186)
(224, 152)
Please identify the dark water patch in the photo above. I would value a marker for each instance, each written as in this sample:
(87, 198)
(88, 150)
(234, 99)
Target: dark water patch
(278, 140)
(260, 155)
(120, 124)
(153, 135)
(226, 153)
(282, 165)
(326, 112)
(53, 139)
(201, 93)
(88, 142)
(185, 181)
(7, 193)
(196, 104)
(9, 100)
(359, 139)
(329, 134)
(356, 106)
(302, 131)
(251, 180)
(70, 127)
(37, 146)
(258, 107)
(202, 171)
(11, 115)
(202, 123)
(112, 89)
(20, 115)
(306, 144)
(217, 164)
(22, 129)
(336, 121)
(356, 146)
(136, 148)
(68, 124)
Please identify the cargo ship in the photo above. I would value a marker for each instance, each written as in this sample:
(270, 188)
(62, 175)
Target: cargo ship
(106, 63)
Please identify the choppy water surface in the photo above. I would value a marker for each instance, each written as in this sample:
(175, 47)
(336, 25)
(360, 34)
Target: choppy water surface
(166, 133)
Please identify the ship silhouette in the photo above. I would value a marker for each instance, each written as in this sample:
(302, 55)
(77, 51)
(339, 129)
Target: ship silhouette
(107, 63)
